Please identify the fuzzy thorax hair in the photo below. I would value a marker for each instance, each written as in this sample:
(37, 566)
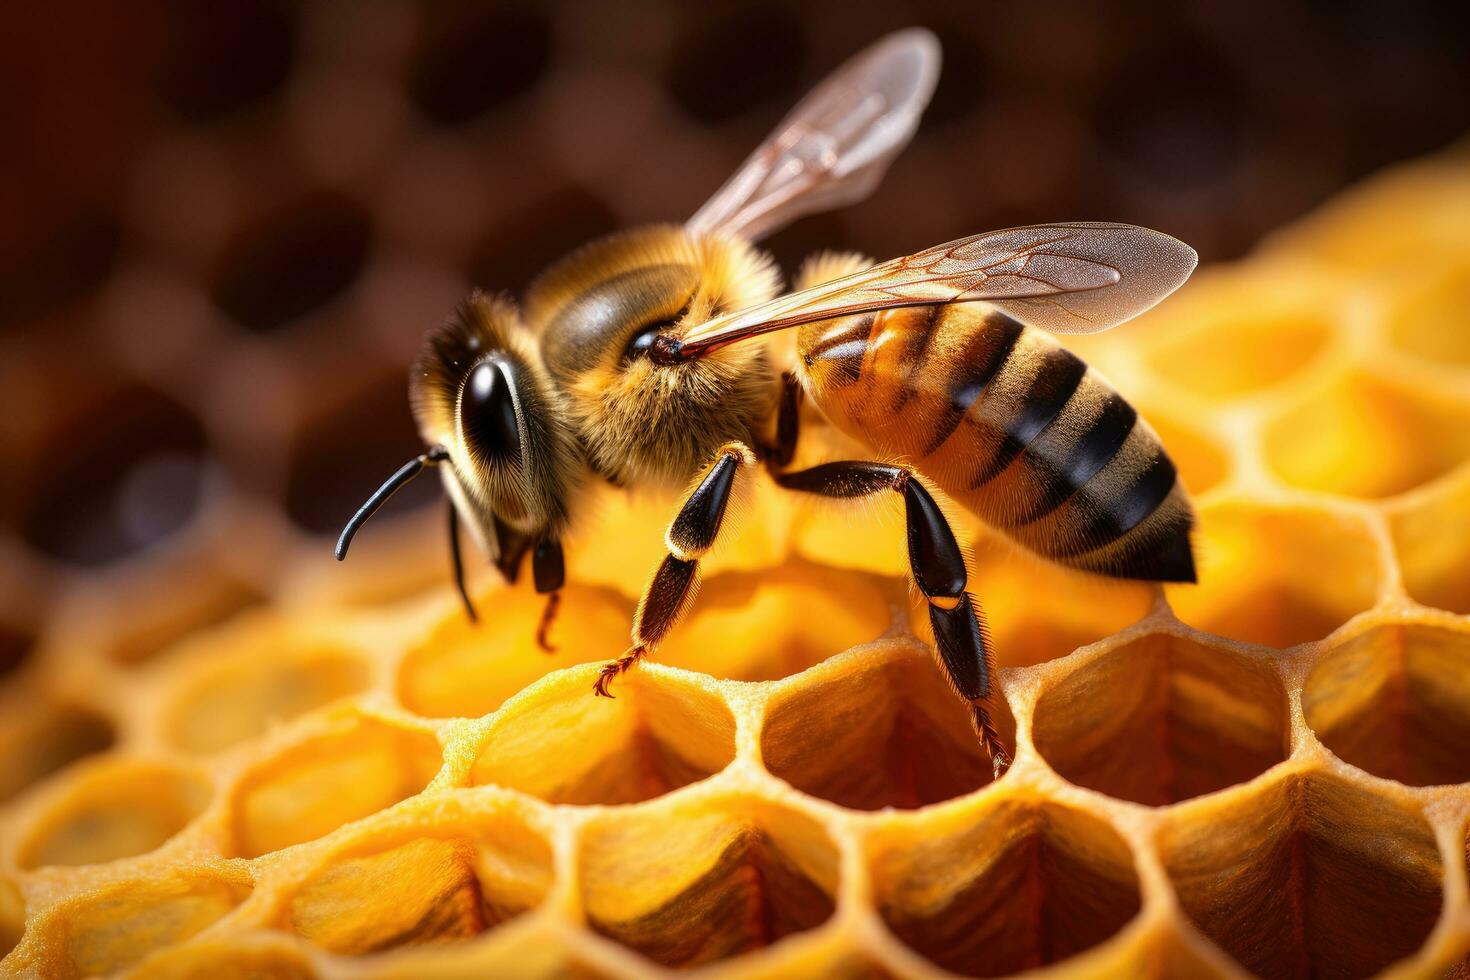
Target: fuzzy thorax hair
(639, 422)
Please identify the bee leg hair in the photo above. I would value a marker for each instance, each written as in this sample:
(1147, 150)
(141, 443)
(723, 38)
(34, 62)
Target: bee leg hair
(691, 534)
(938, 569)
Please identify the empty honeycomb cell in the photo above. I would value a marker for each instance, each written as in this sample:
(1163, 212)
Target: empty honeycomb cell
(62, 263)
(359, 767)
(876, 734)
(12, 916)
(115, 929)
(1396, 702)
(208, 597)
(469, 58)
(259, 676)
(1240, 353)
(756, 626)
(225, 59)
(1308, 877)
(292, 260)
(341, 453)
(123, 471)
(1431, 322)
(1367, 437)
(1014, 886)
(422, 890)
(1277, 576)
(467, 669)
(705, 882)
(1431, 537)
(39, 737)
(1163, 718)
(116, 809)
(654, 736)
(513, 866)
(1037, 610)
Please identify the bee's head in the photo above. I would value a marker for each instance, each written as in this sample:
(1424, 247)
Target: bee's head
(478, 389)
(597, 314)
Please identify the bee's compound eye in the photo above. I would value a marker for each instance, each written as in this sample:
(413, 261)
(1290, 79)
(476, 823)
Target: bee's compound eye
(488, 411)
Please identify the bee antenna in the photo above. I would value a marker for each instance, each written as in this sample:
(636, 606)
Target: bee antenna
(392, 485)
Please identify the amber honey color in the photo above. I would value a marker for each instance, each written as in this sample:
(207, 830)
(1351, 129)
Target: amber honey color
(1268, 772)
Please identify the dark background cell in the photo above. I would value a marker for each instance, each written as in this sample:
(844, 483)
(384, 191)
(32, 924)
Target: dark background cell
(349, 446)
(122, 472)
(292, 261)
(224, 57)
(471, 57)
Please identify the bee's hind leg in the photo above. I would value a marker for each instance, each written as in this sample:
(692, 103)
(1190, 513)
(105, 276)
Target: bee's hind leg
(691, 534)
(938, 569)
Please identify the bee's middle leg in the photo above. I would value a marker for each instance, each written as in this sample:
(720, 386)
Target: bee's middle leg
(691, 534)
(938, 569)
(456, 564)
(788, 422)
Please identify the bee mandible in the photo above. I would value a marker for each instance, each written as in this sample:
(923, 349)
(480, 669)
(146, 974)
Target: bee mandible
(634, 361)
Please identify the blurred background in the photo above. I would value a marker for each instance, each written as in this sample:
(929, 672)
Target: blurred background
(225, 225)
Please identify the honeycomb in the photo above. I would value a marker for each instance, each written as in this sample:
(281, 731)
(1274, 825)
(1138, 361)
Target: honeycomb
(226, 755)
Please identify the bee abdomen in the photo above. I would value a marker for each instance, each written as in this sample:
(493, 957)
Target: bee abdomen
(834, 358)
(1014, 427)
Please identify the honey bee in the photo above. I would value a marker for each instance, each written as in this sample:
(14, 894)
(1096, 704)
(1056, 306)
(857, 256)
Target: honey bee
(633, 361)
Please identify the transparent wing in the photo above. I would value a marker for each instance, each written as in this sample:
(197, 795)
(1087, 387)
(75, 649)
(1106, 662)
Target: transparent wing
(1082, 277)
(835, 145)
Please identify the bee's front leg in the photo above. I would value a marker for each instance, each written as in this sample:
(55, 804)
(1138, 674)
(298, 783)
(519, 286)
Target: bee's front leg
(691, 534)
(548, 570)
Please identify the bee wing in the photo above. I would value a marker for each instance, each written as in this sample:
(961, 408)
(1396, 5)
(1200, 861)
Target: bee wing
(833, 148)
(1081, 277)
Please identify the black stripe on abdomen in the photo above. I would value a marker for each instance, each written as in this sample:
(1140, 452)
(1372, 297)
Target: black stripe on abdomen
(1090, 452)
(1056, 379)
(1109, 520)
(842, 351)
(985, 354)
